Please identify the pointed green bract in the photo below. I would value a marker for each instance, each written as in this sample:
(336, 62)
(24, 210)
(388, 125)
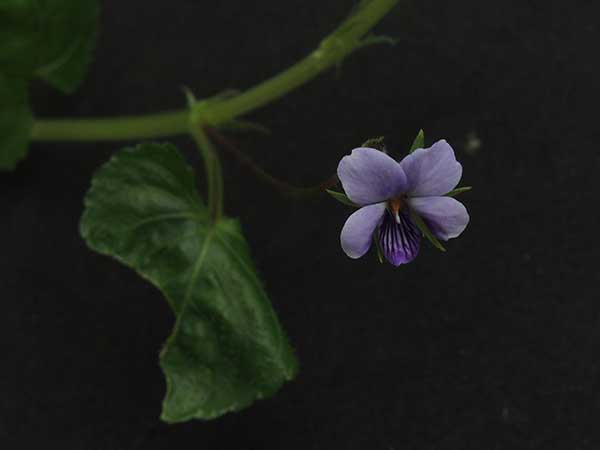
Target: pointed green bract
(378, 247)
(49, 39)
(227, 347)
(341, 197)
(419, 142)
(426, 231)
(373, 39)
(460, 190)
(15, 122)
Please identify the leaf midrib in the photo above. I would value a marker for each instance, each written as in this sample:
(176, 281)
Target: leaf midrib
(197, 267)
(167, 216)
(252, 276)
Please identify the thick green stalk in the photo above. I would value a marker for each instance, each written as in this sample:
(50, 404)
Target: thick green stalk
(214, 174)
(332, 50)
(111, 129)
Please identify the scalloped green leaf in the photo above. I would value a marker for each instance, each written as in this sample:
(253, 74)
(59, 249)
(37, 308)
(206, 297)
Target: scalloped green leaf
(49, 39)
(15, 122)
(227, 348)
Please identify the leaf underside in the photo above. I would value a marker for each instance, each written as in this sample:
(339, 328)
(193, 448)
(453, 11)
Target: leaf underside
(227, 347)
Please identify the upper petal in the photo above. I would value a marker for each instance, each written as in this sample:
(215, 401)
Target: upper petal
(446, 217)
(370, 176)
(358, 230)
(432, 171)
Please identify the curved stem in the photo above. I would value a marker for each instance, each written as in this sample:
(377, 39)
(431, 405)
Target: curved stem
(346, 38)
(331, 51)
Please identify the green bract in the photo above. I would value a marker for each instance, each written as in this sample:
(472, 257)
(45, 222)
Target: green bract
(227, 347)
(49, 39)
(341, 197)
(457, 191)
(15, 121)
(419, 142)
(425, 231)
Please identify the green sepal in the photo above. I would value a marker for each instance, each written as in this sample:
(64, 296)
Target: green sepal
(341, 197)
(15, 122)
(377, 247)
(426, 231)
(460, 190)
(227, 348)
(49, 39)
(419, 142)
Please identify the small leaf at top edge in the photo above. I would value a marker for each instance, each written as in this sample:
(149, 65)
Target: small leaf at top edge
(52, 40)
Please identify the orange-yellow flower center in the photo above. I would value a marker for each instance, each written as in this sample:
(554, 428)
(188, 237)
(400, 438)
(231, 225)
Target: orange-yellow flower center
(395, 204)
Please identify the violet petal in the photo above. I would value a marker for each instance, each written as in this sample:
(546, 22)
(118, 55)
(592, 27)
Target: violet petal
(432, 171)
(370, 176)
(446, 217)
(357, 233)
(399, 242)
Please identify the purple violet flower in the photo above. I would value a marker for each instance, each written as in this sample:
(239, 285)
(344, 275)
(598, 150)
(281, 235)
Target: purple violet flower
(390, 193)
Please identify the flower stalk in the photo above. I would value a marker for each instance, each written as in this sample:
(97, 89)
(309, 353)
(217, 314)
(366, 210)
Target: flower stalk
(283, 187)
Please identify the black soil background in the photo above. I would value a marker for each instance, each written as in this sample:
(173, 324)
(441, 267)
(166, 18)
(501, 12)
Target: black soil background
(492, 345)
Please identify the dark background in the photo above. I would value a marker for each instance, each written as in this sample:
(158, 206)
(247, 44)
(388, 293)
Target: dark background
(492, 345)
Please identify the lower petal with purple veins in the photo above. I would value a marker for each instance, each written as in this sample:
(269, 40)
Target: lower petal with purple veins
(399, 238)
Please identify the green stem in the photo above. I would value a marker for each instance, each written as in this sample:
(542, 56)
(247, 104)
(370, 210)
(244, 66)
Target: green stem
(111, 129)
(346, 38)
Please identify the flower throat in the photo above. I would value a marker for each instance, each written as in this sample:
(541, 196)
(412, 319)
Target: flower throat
(395, 205)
